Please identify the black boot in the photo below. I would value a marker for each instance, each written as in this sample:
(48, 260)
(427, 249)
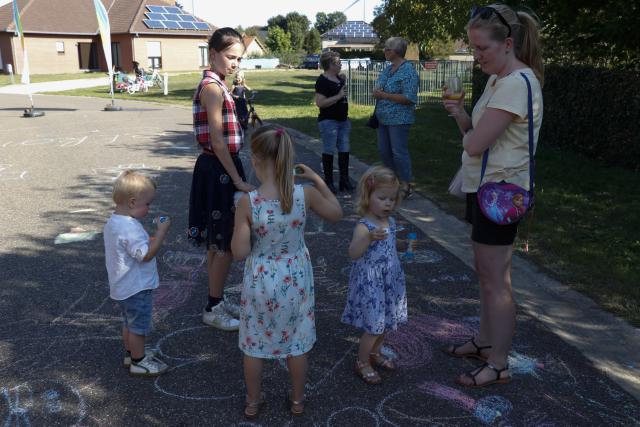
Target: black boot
(343, 164)
(327, 166)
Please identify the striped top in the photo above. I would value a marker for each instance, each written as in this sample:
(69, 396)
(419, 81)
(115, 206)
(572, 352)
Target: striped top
(231, 128)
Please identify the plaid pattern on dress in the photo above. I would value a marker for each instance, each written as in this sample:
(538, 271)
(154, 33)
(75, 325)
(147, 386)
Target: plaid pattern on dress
(231, 129)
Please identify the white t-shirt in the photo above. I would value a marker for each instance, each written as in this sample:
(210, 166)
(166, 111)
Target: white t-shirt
(509, 155)
(126, 243)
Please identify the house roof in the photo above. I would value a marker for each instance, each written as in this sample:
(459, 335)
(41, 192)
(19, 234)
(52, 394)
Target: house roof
(247, 40)
(78, 17)
(352, 30)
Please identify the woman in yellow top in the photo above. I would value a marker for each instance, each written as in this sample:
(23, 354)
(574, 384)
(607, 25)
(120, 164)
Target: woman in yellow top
(505, 43)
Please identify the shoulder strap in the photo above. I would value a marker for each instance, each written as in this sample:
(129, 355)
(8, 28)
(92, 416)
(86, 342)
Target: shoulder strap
(485, 156)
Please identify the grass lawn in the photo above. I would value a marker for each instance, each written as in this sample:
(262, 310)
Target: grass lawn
(586, 230)
(37, 78)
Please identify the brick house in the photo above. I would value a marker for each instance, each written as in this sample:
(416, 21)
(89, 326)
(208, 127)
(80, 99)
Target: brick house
(62, 36)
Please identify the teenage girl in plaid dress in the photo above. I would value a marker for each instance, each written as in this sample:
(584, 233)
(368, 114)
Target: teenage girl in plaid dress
(218, 172)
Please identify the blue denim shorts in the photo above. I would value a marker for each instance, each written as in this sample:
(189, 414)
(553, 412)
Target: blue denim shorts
(136, 312)
(335, 134)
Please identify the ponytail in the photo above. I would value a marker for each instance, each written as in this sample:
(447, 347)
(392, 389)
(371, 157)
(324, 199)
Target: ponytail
(273, 144)
(284, 170)
(529, 50)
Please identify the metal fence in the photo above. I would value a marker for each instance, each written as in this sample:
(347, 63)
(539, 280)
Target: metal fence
(362, 75)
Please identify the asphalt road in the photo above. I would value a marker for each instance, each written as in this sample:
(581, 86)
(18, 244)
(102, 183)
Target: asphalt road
(60, 348)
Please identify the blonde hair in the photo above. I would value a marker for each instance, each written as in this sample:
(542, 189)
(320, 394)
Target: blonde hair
(272, 143)
(524, 31)
(130, 184)
(328, 58)
(373, 178)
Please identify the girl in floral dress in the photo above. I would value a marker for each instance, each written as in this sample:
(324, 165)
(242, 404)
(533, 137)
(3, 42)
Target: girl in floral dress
(377, 299)
(277, 301)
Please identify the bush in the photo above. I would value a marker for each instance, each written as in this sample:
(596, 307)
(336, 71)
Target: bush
(290, 58)
(591, 111)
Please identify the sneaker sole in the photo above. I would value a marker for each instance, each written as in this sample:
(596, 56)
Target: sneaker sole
(223, 328)
(147, 374)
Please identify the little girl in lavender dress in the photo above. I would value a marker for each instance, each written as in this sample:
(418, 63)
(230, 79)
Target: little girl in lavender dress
(377, 300)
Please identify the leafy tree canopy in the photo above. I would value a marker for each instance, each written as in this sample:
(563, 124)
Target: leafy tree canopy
(326, 22)
(573, 31)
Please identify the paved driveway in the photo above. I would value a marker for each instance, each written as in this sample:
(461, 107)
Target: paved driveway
(60, 350)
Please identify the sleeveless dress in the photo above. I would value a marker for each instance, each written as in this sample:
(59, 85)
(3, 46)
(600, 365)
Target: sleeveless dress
(377, 299)
(211, 207)
(277, 302)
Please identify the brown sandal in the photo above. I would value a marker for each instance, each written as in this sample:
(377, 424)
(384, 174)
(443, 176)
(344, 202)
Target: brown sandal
(473, 374)
(451, 350)
(252, 408)
(371, 377)
(296, 407)
(380, 361)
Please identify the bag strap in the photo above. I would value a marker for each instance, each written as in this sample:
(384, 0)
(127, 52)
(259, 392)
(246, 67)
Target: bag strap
(485, 156)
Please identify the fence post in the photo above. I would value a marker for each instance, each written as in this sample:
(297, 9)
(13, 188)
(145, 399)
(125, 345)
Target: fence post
(166, 84)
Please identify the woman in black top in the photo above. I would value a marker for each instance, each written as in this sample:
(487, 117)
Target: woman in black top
(335, 127)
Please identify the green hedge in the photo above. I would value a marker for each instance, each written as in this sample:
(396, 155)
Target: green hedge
(591, 111)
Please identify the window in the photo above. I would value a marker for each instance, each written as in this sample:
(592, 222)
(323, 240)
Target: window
(115, 54)
(204, 55)
(154, 54)
(60, 47)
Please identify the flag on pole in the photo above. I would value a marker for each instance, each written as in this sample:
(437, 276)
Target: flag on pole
(105, 35)
(25, 59)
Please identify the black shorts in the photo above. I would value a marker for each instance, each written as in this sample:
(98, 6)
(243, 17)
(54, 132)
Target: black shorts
(211, 208)
(485, 231)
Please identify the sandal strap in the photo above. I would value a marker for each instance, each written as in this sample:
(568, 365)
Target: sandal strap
(478, 347)
(473, 374)
(496, 370)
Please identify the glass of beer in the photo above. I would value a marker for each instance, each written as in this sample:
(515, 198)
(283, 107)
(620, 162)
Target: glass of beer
(454, 88)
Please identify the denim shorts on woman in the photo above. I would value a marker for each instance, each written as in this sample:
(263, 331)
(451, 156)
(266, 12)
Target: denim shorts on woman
(136, 312)
(484, 230)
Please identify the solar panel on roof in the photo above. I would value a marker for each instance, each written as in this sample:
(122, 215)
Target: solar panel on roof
(171, 17)
(155, 16)
(188, 18)
(173, 25)
(201, 25)
(153, 24)
(156, 9)
(171, 9)
(187, 25)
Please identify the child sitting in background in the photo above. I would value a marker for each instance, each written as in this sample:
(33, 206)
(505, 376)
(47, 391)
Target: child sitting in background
(377, 299)
(277, 302)
(131, 267)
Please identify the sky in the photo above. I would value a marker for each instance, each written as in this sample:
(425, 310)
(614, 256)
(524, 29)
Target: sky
(257, 12)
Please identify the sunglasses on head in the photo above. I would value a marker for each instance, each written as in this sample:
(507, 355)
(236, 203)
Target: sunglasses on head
(485, 12)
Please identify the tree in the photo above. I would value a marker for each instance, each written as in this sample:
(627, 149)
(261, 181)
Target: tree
(312, 42)
(574, 31)
(278, 40)
(297, 27)
(277, 21)
(326, 22)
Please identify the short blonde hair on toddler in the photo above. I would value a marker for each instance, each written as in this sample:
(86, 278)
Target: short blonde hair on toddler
(374, 177)
(130, 184)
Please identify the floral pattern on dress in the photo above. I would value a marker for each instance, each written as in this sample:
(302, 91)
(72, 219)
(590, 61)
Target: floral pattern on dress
(377, 298)
(277, 302)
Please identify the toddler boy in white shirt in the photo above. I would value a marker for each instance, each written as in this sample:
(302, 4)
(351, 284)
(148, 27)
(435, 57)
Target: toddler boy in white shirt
(131, 267)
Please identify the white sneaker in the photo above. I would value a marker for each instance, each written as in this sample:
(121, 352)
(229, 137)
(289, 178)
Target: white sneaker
(219, 318)
(231, 308)
(148, 351)
(148, 367)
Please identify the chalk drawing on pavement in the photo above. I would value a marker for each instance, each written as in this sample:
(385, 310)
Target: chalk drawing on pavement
(42, 402)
